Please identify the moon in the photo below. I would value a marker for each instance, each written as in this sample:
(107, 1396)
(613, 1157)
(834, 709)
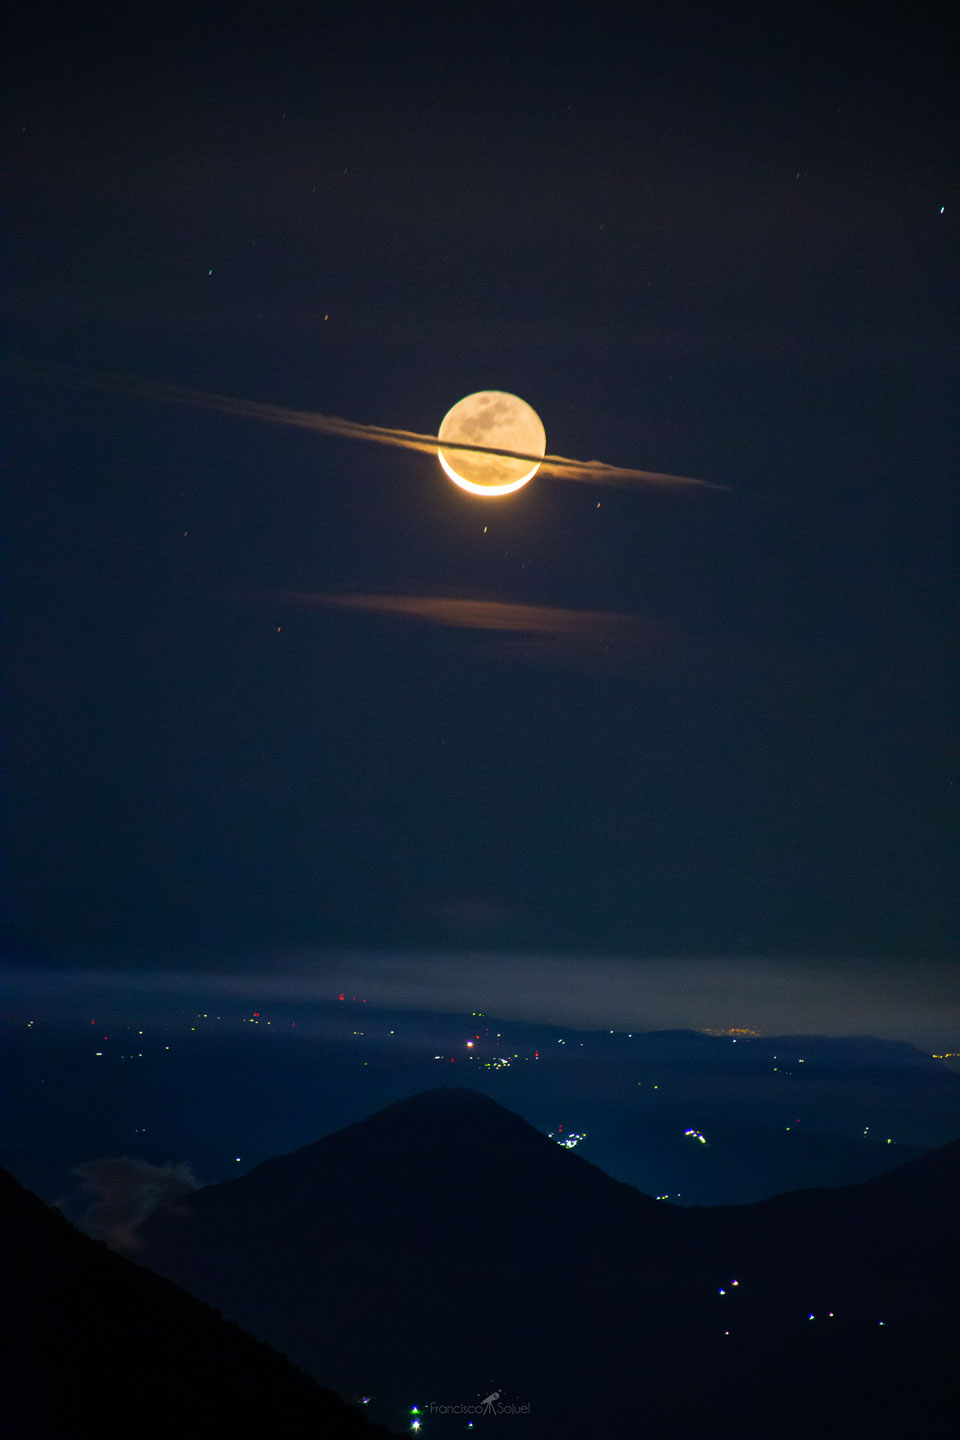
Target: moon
(497, 420)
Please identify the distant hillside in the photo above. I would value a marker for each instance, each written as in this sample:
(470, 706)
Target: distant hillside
(853, 1109)
(443, 1248)
(97, 1346)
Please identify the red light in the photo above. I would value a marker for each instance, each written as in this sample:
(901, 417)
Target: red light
(256, 1014)
(340, 996)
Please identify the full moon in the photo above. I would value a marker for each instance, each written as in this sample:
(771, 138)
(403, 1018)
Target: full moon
(499, 421)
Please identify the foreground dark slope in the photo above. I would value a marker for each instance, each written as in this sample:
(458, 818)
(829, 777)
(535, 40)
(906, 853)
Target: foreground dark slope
(95, 1345)
(444, 1248)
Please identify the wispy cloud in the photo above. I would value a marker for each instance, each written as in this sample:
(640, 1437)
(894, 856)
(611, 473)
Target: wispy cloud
(526, 631)
(775, 995)
(467, 614)
(129, 1191)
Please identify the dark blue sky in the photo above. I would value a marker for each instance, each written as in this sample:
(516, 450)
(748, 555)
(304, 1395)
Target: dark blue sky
(709, 242)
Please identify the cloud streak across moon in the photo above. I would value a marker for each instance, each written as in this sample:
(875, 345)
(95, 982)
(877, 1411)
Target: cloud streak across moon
(596, 472)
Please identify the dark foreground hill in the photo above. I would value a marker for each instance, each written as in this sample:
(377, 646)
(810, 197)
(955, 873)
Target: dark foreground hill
(95, 1345)
(444, 1249)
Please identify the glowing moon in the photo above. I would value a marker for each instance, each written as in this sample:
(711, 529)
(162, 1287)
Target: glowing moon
(498, 420)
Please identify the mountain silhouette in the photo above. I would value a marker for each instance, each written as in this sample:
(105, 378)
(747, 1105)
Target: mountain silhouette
(443, 1248)
(95, 1345)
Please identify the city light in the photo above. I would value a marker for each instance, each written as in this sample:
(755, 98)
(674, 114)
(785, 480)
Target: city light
(570, 1141)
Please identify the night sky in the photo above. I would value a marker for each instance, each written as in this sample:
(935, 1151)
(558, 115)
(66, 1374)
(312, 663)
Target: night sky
(251, 707)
